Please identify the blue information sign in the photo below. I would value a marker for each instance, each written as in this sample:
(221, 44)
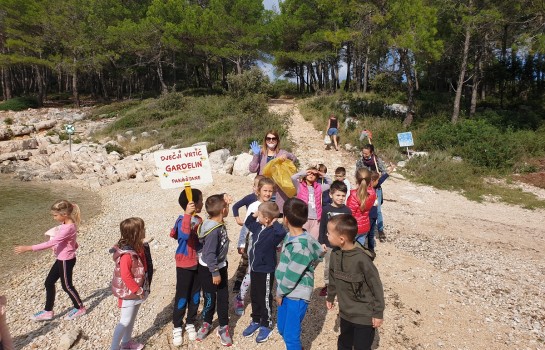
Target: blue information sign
(405, 139)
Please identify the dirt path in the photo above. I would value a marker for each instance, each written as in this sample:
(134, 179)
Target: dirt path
(457, 274)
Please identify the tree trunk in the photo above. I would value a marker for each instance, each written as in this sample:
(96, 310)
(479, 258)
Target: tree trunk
(348, 66)
(164, 87)
(6, 83)
(477, 77)
(75, 92)
(461, 77)
(366, 69)
(405, 61)
(40, 85)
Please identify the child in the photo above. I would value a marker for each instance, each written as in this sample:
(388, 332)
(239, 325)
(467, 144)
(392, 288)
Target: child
(322, 181)
(361, 201)
(243, 264)
(213, 267)
(295, 273)
(265, 188)
(376, 182)
(64, 246)
(337, 191)
(6, 343)
(267, 234)
(340, 174)
(187, 283)
(354, 280)
(310, 192)
(132, 278)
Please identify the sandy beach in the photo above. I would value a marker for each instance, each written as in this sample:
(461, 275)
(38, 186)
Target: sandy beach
(457, 274)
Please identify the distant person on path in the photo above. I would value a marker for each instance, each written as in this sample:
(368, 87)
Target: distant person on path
(188, 288)
(131, 282)
(360, 202)
(355, 281)
(269, 150)
(64, 245)
(6, 343)
(370, 161)
(295, 273)
(333, 129)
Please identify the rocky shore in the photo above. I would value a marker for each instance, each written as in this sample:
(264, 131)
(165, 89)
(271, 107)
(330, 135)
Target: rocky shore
(457, 274)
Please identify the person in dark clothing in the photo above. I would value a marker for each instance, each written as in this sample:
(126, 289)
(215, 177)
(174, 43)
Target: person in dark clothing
(354, 281)
(337, 192)
(266, 235)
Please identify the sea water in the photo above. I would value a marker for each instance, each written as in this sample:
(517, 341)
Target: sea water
(25, 215)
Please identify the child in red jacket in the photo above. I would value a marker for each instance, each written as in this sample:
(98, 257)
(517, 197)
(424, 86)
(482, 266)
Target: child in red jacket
(361, 201)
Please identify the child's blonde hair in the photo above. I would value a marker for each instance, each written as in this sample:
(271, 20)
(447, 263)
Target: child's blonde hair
(69, 209)
(264, 181)
(363, 179)
(133, 232)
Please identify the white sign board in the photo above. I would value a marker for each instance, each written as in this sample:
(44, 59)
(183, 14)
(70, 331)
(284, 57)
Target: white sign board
(185, 165)
(69, 129)
(405, 139)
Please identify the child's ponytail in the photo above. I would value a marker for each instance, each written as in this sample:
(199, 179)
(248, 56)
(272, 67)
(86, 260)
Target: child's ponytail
(363, 179)
(69, 209)
(76, 214)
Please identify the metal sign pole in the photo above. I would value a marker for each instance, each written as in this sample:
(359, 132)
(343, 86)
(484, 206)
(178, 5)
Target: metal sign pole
(70, 143)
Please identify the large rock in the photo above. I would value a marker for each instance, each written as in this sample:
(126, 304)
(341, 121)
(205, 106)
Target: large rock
(218, 158)
(5, 134)
(18, 145)
(22, 130)
(45, 124)
(240, 168)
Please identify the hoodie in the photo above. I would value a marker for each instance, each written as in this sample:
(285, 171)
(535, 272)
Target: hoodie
(354, 280)
(185, 232)
(215, 245)
(295, 271)
(265, 239)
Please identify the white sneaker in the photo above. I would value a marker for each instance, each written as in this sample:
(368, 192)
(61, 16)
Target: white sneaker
(177, 337)
(191, 332)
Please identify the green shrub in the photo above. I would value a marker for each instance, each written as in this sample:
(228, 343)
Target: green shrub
(171, 101)
(19, 104)
(282, 87)
(252, 81)
(114, 148)
(8, 121)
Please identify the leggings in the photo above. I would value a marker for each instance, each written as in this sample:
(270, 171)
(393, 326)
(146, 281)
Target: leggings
(61, 269)
(123, 330)
(245, 286)
(214, 294)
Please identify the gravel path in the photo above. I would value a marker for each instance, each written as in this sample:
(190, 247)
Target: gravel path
(457, 274)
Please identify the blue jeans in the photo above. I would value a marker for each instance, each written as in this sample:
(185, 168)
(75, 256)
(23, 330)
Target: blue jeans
(380, 221)
(332, 131)
(371, 235)
(290, 316)
(361, 238)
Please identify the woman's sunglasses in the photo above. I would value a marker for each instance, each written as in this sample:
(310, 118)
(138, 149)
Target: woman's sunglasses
(271, 138)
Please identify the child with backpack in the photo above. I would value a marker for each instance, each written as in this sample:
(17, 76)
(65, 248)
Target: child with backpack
(131, 282)
(188, 288)
(360, 202)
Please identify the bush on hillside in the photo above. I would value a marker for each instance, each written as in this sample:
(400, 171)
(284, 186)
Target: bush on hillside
(252, 81)
(19, 104)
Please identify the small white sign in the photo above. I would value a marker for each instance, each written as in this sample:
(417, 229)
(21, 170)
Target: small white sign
(405, 139)
(69, 129)
(185, 165)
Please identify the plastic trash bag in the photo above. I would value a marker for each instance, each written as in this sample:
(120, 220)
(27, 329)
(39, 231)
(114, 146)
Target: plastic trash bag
(280, 171)
(327, 140)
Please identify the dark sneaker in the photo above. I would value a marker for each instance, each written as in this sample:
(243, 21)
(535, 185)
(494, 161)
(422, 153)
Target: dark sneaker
(323, 292)
(236, 287)
(251, 329)
(381, 236)
(225, 337)
(263, 335)
(203, 331)
(238, 306)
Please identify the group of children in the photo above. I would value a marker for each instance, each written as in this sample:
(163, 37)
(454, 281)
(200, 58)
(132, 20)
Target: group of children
(325, 221)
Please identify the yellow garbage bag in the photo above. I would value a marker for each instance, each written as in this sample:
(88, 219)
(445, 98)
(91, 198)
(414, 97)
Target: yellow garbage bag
(280, 171)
